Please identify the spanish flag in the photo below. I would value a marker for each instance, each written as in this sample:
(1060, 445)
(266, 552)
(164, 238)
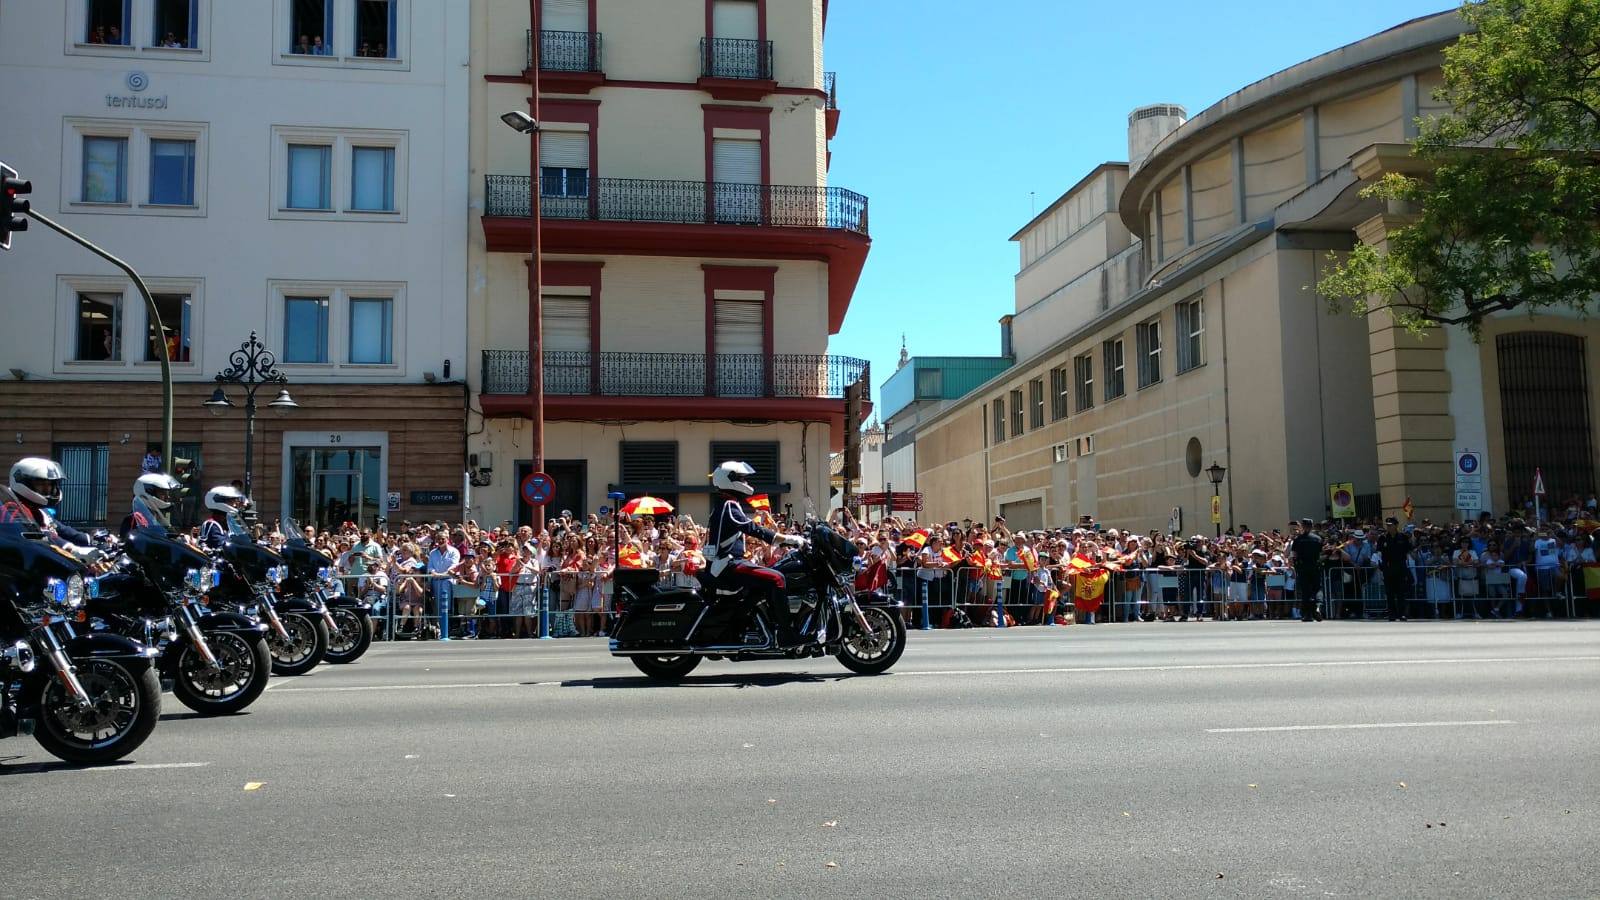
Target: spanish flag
(1030, 560)
(1080, 562)
(1050, 602)
(693, 561)
(1408, 508)
(949, 555)
(992, 571)
(1591, 580)
(918, 539)
(628, 557)
(1587, 525)
(761, 502)
(1089, 590)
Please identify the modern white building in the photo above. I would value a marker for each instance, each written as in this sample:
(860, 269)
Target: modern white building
(312, 191)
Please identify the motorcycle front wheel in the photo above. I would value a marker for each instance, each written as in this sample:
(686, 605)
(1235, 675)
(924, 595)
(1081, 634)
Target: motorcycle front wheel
(307, 644)
(123, 710)
(351, 639)
(246, 665)
(875, 653)
(665, 668)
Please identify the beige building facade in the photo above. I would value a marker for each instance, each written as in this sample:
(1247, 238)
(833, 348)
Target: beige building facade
(695, 260)
(1167, 319)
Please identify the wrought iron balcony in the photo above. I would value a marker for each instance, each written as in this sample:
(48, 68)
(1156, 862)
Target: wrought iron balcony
(736, 58)
(830, 87)
(573, 373)
(566, 51)
(682, 203)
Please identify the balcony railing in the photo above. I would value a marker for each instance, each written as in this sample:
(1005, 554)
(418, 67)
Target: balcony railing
(736, 58)
(683, 203)
(571, 373)
(566, 51)
(830, 87)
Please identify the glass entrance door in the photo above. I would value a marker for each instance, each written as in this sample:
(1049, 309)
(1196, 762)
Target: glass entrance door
(334, 485)
(337, 497)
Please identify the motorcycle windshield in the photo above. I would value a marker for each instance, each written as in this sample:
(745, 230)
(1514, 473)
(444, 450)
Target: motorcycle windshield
(164, 557)
(304, 558)
(25, 552)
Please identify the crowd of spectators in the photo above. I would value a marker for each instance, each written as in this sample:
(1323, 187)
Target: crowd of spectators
(971, 573)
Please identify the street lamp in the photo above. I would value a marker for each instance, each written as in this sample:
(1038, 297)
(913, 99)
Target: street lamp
(528, 124)
(1216, 474)
(251, 366)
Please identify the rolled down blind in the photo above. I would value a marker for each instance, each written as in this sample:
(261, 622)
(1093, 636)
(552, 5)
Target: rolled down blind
(739, 326)
(564, 15)
(735, 19)
(564, 149)
(566, 323)
(736, 161)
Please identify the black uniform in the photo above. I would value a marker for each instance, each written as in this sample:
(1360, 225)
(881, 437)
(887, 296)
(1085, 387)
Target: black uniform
(1306, 553)
(725, 541)
(1396, 552)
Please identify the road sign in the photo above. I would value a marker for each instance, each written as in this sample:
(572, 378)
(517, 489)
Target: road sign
(393, 501)
(537, 489)
(1538, 483)
(1469, 480)
(1342, 497)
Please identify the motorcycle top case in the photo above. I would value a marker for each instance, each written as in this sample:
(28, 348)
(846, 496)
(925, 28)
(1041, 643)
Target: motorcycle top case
(666, 617)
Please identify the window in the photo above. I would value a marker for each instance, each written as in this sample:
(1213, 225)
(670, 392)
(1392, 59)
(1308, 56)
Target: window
(738, 337)
(999, 419)
(930, 384)
(107, 22)
(372, 179)
(1148, 344)
(171, 173)
(105, 169)
(736, 169)
(1191, 335)
(175, 24)
(1016, 413)
(371, 331)
(99, 328)
(1058, 393)
(1083, 377)
(563, 167)
(651, 467)
(761, 455)
(177, 324)
(1111, 357)
(305, 329)
(375, 28)
(311, 27)
(83, 497)
(310, 177)
(1036, 403)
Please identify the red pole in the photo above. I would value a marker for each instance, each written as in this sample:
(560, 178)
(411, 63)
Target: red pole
(535, 291)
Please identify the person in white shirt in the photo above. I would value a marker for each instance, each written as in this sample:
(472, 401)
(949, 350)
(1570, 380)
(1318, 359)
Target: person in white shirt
(442, 561)
(1547, 571)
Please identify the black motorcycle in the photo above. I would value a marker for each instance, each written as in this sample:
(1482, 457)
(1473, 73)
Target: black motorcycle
(214, 662)
(666, 631)
(298, 627)
(86, 698)
(312, 575)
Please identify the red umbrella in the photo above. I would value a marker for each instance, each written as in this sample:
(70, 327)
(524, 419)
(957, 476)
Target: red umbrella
(646, 506)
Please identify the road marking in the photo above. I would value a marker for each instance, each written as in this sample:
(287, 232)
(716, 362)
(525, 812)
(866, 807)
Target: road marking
(1359, 726)
(416, 687)
(132, 767)
(1073, 670)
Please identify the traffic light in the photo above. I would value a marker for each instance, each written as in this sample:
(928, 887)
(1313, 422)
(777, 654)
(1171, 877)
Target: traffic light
(854, 395)
(13, 206)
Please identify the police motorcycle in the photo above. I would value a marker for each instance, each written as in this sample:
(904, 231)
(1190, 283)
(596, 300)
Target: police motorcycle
(216, 662)
(85, 697)
(298, 627)
(666, 631)
(312, 574)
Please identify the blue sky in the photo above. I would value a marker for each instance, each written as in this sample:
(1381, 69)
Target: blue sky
(1045, 90)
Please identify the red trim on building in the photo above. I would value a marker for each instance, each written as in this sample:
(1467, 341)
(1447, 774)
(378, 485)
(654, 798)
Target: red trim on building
(590, 408)
(580, 273)
(761, 19)
(579, 112)
(831, 116)
(746, 90)
(743, 118)
(740, 278)
(737, 88)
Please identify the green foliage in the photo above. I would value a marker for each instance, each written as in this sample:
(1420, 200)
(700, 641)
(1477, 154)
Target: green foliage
(1508, 217)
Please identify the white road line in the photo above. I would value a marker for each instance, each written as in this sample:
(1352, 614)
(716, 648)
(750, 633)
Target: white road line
(1361, 726)
(416, 687)
(1279, 665)
(138, 766)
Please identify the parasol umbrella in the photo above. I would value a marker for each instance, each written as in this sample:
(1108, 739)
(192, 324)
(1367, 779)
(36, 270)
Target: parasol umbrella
(646, 506)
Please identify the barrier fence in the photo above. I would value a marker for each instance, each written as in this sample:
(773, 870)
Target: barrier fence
(557, 604)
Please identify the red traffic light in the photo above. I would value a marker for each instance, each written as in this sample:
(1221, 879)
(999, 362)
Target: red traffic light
(13, 207)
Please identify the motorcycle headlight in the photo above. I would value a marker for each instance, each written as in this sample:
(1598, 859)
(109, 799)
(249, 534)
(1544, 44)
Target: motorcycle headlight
(65, 594)
(324, 573)
(216, 577)
(91, 588)
(275, 575)
(197, 580)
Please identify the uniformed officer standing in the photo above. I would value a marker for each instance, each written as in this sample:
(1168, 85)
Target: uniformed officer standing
(1305, 551)
(1395, 548)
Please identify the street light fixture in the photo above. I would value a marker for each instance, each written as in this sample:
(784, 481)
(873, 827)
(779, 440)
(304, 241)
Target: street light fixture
(251, 366)
(520, 121)
(1216, 473)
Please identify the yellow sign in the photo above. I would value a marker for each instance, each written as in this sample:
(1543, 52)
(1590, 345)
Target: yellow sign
(1216, 510)
(1342, 497)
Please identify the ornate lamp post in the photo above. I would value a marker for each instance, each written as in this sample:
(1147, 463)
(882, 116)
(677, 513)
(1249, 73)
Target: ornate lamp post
(251, 366)
(1216, 473)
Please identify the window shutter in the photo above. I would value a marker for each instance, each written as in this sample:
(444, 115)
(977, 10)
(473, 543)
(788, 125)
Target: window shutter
(736, 161)
(761, 455)
(737, 19)
(564, 15)
(739, 327)
(564, 149)
(566, 324)
(652, 463)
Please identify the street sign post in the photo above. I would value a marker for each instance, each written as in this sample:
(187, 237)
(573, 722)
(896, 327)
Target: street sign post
(1538, 493)
(1216, 510)
(537, 489)
(1342, 499)
(1469, 481)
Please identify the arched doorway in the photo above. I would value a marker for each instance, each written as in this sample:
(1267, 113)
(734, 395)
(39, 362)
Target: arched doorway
(1544, 410)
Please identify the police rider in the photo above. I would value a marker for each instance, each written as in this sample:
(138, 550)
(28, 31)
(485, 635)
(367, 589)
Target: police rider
(222, 502)
(153, 496)
(30, 500)
(725, 549)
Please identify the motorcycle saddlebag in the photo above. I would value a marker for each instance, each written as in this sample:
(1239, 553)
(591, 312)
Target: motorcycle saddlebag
(662, 618)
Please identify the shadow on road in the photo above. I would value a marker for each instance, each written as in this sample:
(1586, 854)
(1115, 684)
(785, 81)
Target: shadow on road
(180, 716)
(54, 766)
(765, 679)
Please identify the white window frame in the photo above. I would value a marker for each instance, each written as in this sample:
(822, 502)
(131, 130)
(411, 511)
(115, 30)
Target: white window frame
(135, 322)
(1191, 318)
(343, 142)
(339, 294)
(1116, 375)
(1149, 352)
(1083, 382)
(140, 32)
(344, 39)
(139, 134)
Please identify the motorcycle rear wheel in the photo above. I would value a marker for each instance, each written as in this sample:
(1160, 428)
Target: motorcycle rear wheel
(874, 654)
(666, 668)
(247, 664)
(125, 710)
(308, 643)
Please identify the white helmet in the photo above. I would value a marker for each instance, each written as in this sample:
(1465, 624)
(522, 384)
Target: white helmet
(734, 477)
(223, 497)
(37, 481)
(156, 490)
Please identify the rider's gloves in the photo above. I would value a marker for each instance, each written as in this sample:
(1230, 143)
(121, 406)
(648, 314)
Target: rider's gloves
(791, 540)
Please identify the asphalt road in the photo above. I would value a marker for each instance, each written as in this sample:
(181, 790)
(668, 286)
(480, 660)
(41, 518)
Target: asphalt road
(1457, 759)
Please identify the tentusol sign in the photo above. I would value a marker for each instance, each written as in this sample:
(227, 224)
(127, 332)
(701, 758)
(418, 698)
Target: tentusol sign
(137, 82)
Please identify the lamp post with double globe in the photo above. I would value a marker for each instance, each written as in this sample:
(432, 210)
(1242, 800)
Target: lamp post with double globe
(251, 366)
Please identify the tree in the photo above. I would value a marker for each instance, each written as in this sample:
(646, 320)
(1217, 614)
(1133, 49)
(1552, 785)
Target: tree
(1509, 217)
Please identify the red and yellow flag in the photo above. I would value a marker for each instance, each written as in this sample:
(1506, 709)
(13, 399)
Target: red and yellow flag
(918, 539)
(1408, 508)
(761, 502)
(1591, 580)
(1030, 560)
(1089, 589)
(1587, 525)
(1050, 602)
(950, 556)
(628, 557)
(693, 561)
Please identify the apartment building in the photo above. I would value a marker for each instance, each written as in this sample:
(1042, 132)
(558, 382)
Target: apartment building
(694, 258)
(1167, 319)
(293, 169)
